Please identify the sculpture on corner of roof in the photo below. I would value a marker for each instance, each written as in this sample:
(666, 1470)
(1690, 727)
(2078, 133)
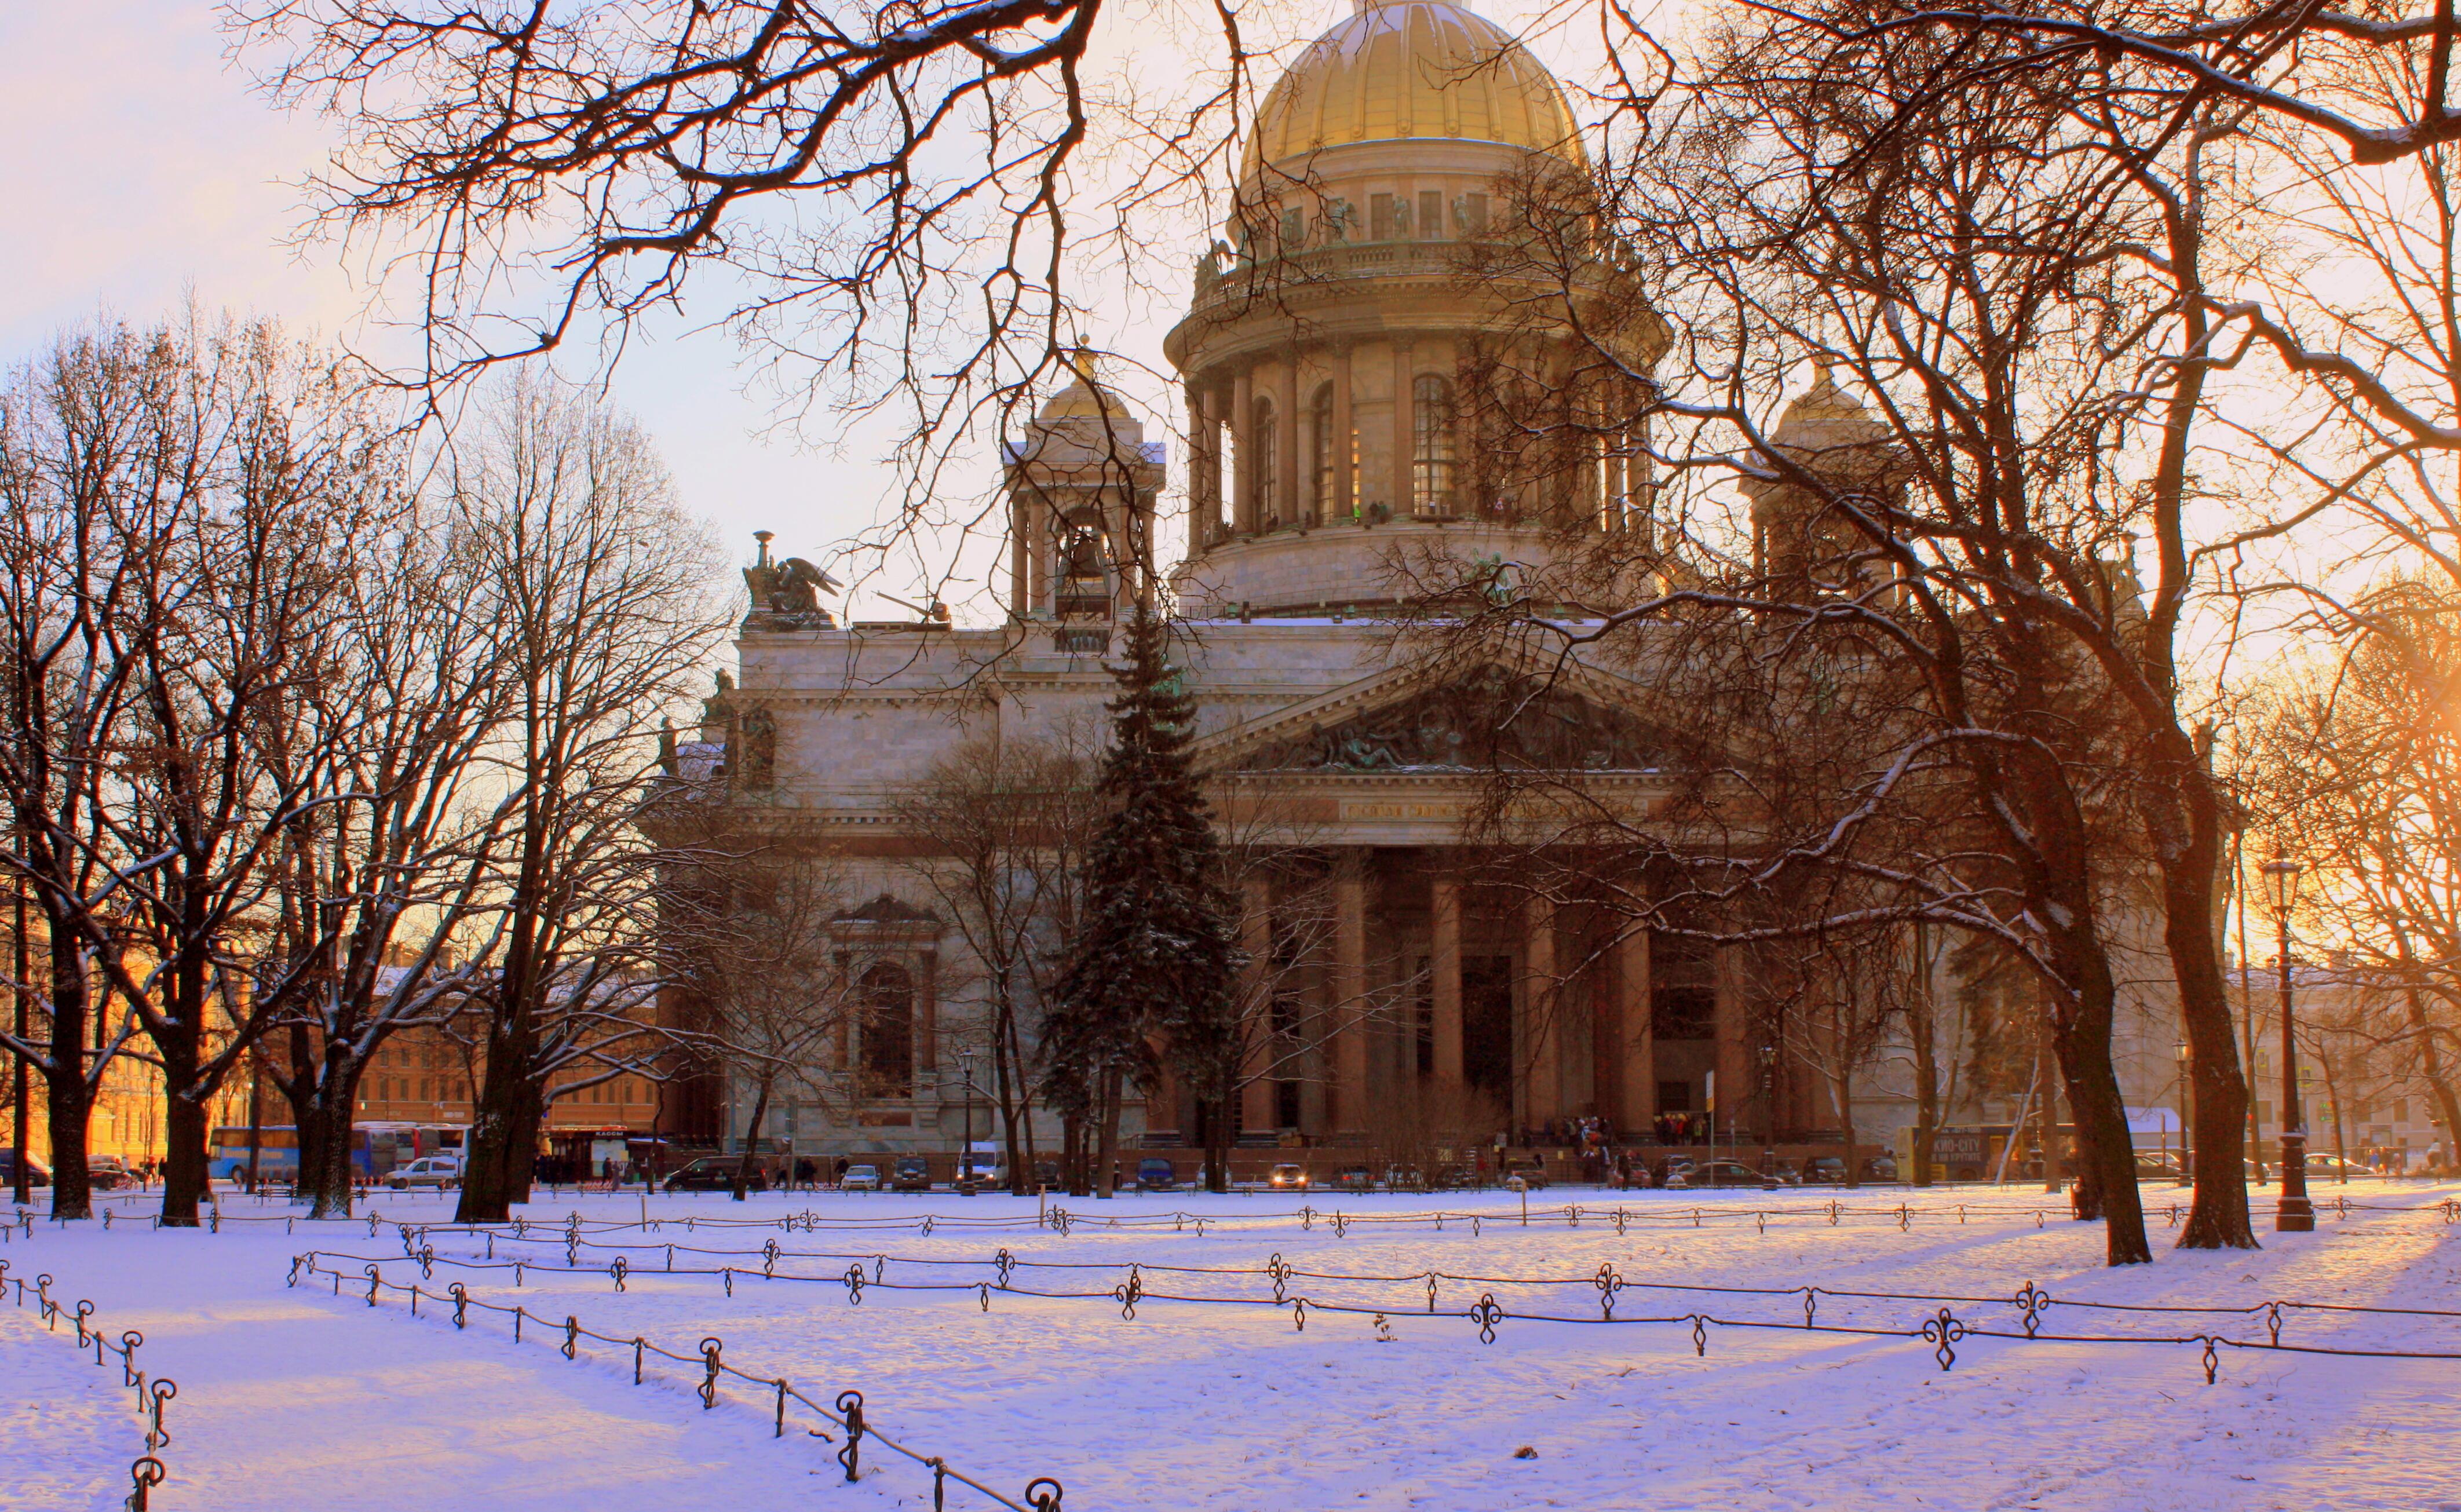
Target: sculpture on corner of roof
(785, 595)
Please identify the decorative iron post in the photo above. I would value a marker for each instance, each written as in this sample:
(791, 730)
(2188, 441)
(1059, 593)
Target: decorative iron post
(2294, 1214)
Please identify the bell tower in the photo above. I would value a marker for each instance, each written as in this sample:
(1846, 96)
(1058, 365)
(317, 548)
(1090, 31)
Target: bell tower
(1082, 487)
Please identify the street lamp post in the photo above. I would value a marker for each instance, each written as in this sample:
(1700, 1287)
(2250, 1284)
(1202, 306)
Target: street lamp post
(1768, 1116)
(966, 1157)
(2187, 1092)
(2294, 1215)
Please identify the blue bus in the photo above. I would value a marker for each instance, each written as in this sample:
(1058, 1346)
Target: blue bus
(376, 1148)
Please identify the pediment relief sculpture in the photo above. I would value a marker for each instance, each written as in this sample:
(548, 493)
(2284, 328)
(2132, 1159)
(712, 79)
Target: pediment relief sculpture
(1489, 722)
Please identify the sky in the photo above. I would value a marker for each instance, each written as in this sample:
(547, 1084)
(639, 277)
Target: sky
(148, 170)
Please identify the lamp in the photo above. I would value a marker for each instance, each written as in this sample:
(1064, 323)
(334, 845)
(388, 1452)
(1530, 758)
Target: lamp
(2294, 1215)
(2180, 1054)
(2280, 884)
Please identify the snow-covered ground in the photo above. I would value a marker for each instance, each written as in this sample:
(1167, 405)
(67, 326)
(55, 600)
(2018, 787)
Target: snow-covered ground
(292, 1396)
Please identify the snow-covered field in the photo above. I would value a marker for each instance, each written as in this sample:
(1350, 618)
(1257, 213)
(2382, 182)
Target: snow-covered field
(294, 1396)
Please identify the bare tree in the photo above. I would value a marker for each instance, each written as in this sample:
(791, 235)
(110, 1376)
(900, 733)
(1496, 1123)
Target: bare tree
(2356, 767)
(762, 957)
(599, 591)
(183, 502)
(372, 890)
(1004, 824)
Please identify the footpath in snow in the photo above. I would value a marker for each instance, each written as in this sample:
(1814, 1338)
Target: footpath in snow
(1618, 1350)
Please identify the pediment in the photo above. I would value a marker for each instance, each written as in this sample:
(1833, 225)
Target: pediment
(1489, 719)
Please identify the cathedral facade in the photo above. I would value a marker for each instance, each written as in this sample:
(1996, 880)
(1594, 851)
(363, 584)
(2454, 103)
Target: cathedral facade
(1332, 469)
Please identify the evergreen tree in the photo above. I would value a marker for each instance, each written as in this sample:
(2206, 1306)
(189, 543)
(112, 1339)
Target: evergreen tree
(1155, 948)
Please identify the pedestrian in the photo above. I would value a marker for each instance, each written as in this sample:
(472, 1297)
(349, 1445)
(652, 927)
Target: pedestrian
(839, 1179)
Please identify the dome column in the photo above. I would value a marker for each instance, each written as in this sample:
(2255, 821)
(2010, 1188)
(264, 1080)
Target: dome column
(1405, 432)
(1284, 507)
(1243, 448)
(1203, 467)
(1344, 446)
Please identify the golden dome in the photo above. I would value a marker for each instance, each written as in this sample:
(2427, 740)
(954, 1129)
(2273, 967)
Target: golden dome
(1085, 398)
(1402, 69)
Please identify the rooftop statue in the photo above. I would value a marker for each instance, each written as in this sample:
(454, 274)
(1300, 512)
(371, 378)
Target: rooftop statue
(785, 595)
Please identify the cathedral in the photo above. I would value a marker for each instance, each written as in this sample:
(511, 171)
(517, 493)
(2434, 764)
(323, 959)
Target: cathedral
(1332, 468)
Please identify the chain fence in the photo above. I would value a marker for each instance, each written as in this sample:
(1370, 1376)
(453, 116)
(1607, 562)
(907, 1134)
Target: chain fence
(152, 1394)
(1940, 1325)
(1624, 1218)
(846, 1413)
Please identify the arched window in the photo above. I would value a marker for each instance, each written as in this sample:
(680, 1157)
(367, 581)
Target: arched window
(1431, 448)
(1261, 470)
(886, 999)
(1320, 433)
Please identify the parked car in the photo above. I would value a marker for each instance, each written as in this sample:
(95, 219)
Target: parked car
(1824, 1170)
(1716, 1173)
(1154, 1174)
(1527, 1174)
(1451, 1178)
(860, 1179)
(1287, 1177)
(1046, 1172)
(1353, 1179)
(107, 1173)
(910, 1173)
(2158, 1165)
(1405, 1178)
(713, 1173)
(1879, 1168)
(37, 1174)
(437, 1171)
(2328, 1165)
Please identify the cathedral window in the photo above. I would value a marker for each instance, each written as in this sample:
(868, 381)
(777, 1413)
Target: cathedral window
(1431, 214)
(1431, 452)
(886, 999)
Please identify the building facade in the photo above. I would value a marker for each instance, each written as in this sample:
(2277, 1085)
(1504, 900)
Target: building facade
(1345, 339)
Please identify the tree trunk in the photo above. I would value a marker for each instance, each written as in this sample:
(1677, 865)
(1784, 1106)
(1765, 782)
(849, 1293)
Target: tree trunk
(1217, 1145)
(68, 1102)
(2219, 1218)
(488, 1188)
(66, 1112)
(186, 1180)
(2088, 1188)
(324, 1137)
(1924, 1032)
(751, 1142)
(1106, 1157)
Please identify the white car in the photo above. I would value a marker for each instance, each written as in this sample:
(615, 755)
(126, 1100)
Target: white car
(860, 1179)
(439, 1171)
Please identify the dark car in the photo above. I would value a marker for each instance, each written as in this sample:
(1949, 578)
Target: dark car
(2153, 1165)
(1154, 1174)
(1718, 1173)
(714, 1173)
(1353, 1179)
(1881, 1168)
(107, 1173)
(37, 1174)
(912, 1173)
(1824, 1170)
